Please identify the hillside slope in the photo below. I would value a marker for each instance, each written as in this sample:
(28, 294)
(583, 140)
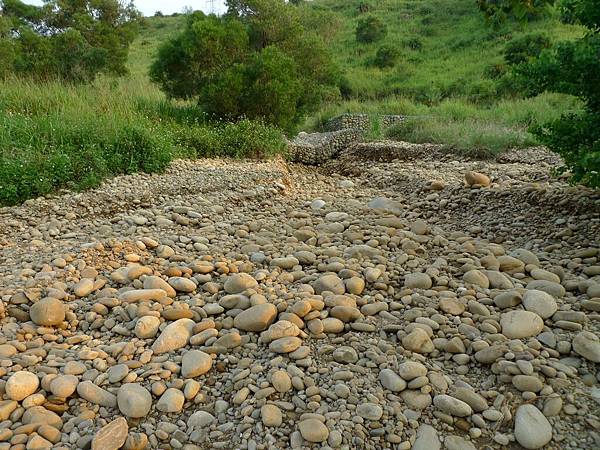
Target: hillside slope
(446, 48)
(448, 73)
(153, 32)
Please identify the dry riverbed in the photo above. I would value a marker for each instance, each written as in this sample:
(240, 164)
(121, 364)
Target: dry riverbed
(426, 302)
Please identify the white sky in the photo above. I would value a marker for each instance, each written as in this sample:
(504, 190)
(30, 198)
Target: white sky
(149, 7)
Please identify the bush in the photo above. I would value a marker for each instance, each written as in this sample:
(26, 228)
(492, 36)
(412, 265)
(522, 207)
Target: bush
(497, 11)
(572, 68)
(523, 49)
(386, 56)
(364, 7)
(576, 137)
(55, 136)
(495, 71)
(370, 29)
(257, 62)
(414, 44)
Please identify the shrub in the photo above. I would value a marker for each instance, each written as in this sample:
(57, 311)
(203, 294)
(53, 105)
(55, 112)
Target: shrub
(497, 11)
(370, 29)
(573, 68)
(364, 7)
(414, 44)
(495, 71)
(386, 56)
(521, 50)
(40, 154)
(257, 62)
(243, 139)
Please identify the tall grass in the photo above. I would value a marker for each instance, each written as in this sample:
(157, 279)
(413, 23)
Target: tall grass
(457, 123)
(54, 135)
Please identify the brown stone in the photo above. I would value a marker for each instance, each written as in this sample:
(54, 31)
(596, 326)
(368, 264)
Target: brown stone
(111, 436)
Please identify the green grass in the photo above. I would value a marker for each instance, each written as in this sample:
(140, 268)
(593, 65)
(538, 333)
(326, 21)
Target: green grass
(457, 123)
(58, 136)
(153, 32)
(445, 79)
(458, 46)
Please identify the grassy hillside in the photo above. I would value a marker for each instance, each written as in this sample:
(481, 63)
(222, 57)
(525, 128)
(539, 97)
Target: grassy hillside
(446, 48)
(446, 73)
(153, 32)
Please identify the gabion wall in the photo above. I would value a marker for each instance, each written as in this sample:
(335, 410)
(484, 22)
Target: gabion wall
(346, 121)
(316, 148)
(391, 120)
(343, 131)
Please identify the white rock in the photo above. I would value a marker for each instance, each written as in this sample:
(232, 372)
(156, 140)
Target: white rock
(532, 429)
(174, 336)
(521, 324)
(540, 302)
(146, 327)
(200, 419)
(587, 344)
(195, 363)
(427, 439)
(134, 400)
(391, 380)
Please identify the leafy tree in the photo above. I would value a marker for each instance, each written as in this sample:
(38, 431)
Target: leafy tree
(207, 47)
(273, 87)
(370, 29)
(256, 61)
(572, 68)
(69, 39)
(7, 47)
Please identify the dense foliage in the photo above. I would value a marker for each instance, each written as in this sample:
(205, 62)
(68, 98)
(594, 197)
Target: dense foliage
(257, 61)
(55, 135)
(386, 56)
(572, 68)
(522, 49)
(499, 10)
(72, 40)
(370, 29)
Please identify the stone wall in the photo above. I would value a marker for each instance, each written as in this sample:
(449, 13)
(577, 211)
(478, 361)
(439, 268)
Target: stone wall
(349, 121)
(344, 131)
(316, 148)
(388, 121)
(362, 122)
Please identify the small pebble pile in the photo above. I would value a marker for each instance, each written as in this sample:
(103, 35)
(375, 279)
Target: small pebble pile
(238, 305)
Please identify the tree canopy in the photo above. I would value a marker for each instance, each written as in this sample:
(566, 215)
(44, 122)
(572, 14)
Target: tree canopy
(256, 61)
(73, 40)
